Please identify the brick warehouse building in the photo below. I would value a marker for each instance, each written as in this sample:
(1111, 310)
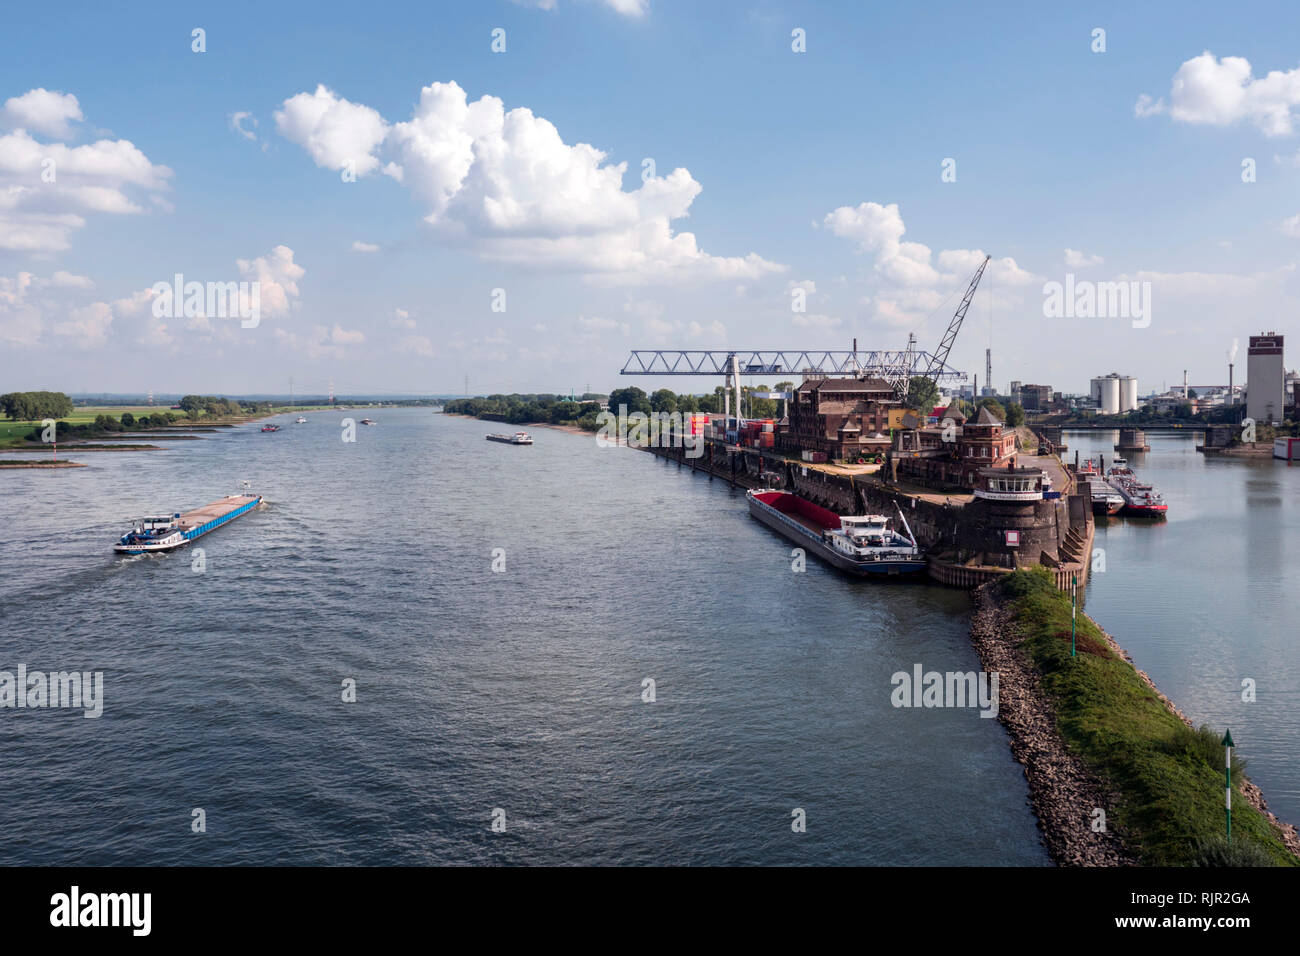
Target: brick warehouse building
(922, 454)
(843, 417)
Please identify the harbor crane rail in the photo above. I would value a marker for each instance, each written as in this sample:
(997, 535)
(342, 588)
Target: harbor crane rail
(888, 365)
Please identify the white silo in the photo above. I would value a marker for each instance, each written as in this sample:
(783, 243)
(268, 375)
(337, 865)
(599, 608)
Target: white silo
(1128, 393)
(1105, 392)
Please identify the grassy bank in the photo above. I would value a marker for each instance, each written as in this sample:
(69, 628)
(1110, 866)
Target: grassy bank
(1169, 777)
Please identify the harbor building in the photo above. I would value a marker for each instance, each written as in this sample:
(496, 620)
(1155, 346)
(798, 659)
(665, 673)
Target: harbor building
(1035, 398)
(1115, 394)
(845, 418)
(1265, 378)
(924, 456)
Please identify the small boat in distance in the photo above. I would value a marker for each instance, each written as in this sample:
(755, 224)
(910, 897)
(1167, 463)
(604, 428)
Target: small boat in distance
(300, 420)
(518, 438)
(270, 428)
(366, 421)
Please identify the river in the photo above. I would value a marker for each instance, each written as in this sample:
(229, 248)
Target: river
(518, 690)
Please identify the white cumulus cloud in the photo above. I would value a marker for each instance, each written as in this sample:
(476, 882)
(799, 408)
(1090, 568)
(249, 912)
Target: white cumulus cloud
(43, 111)
(277, 275)
(1079, 260)
(48, 189)
(506, 184)
(1219, 92)
(912, 281)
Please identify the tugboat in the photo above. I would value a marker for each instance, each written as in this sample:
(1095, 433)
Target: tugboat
(518, 438)
(1140, 498)
(864, 545)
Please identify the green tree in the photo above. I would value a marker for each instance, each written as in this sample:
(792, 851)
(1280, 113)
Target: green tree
(922, 393)
(128, 420)
(35, 406)
(1015, 415)
(664, 400)
(634, 398)
(994, 406)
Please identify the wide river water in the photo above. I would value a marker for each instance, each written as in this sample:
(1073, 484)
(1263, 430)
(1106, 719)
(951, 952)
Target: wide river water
(522, 689)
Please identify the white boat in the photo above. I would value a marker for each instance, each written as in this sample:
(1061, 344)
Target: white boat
(300, 420)
(864, 545)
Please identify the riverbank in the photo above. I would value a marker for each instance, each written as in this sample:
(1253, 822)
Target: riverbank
(1102, 747)
(572, 429)
(41, 464)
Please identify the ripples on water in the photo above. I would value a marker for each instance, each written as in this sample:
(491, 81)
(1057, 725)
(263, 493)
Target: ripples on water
(475, 690)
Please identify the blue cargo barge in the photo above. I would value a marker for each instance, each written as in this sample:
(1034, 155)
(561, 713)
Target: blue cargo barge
(165, 532)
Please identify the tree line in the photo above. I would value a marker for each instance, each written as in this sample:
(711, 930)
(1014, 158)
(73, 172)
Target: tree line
(35, 406)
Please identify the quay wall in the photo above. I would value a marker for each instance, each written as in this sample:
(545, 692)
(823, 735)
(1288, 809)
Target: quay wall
(966, 542)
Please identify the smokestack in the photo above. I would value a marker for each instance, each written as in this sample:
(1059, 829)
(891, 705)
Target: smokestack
(1230, 401)
(1184, 383)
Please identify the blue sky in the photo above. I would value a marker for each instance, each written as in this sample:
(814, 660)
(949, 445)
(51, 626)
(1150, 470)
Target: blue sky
(360, 286)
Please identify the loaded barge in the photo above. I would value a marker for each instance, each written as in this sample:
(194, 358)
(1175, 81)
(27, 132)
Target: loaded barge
(862, 545)
(166, 532)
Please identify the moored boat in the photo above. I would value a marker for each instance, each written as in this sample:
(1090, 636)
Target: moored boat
(1105, 499)
(864, 545)
(1140, 498)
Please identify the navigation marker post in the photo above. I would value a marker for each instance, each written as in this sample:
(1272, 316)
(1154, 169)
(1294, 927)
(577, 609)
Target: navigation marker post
(1227, 779)
(1074, 604)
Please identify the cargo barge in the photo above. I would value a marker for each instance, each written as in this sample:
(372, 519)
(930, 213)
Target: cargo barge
(166, 532)
(1139, 497)
(518, 438)
(863, 545)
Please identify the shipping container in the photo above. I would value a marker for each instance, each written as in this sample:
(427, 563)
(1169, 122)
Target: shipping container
(1287, 449)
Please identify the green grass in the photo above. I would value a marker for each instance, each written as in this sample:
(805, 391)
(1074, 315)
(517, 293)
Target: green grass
(1169, 777)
